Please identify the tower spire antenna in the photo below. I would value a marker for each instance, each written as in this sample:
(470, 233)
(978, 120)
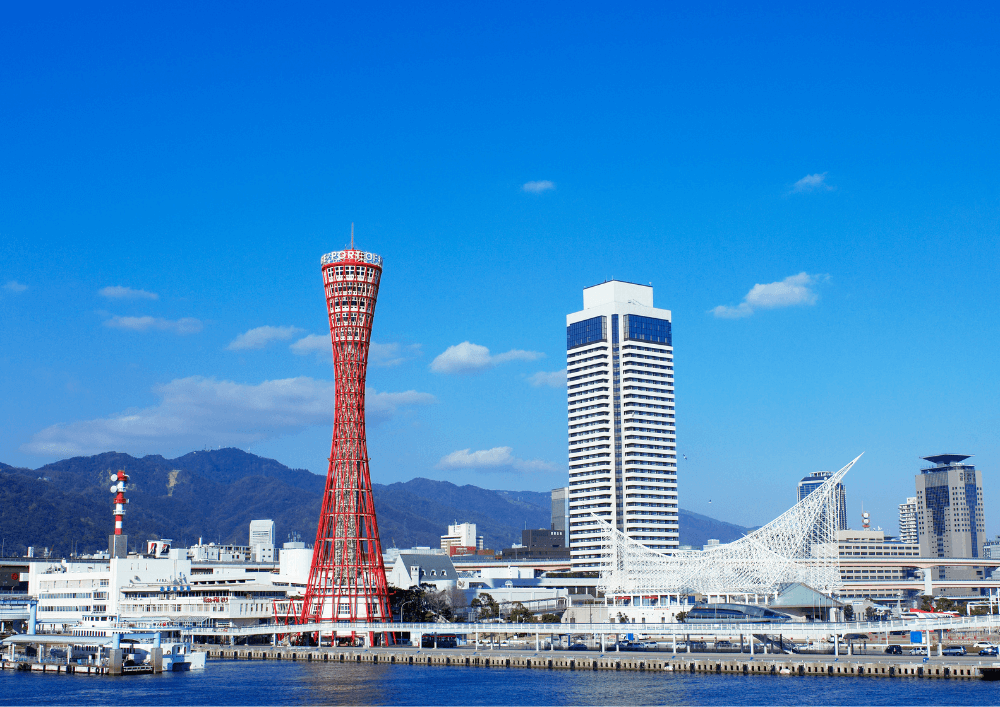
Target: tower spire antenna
(352, 235)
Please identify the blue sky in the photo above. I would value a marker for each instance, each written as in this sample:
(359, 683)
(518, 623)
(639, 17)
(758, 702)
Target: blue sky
(199, 160)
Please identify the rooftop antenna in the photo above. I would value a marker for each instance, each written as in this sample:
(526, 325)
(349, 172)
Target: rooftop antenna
(352, 235)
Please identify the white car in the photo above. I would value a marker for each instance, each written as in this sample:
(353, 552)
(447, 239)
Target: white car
(984, 644)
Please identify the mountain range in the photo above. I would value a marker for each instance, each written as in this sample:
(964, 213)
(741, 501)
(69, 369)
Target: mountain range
(213, 495)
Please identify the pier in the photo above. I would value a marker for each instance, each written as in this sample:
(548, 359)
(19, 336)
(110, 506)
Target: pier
(563, 660)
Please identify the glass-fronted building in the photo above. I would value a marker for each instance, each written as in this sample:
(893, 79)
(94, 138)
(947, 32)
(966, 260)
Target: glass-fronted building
(817, 479)
(950, 519)
(622, 445)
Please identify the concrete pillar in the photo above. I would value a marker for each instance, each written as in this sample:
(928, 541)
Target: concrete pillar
(940, 642)
(602, 643)
(32, 618)
(928, 585)
(751, 646)
(156, 658)
(674, 636)
(537, 640)
(115, 661)
(836, 646)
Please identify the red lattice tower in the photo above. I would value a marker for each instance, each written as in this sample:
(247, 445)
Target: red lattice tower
(347, 578)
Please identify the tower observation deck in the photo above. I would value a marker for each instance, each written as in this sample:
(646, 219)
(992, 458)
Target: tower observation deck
(347, 579)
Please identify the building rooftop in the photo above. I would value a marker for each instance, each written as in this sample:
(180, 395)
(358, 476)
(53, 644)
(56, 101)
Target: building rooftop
(944, 459)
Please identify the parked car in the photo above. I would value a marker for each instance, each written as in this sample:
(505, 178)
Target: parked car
(920, 650)
(989, 650)
(723, 644)
(577, 647)
(984, 644)
(954, 650)
(894, 650)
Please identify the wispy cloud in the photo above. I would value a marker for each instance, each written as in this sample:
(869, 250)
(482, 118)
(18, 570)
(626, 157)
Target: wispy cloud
(496, 459)
(554, 379)
(312, 343)
(15, 286)
(793, 291)
(393, 354)
(187, 325)
(386, 355)
(812, 182)
(118, 292)
(197, 412)
(261, 336)
(538, 187)
(473, 358)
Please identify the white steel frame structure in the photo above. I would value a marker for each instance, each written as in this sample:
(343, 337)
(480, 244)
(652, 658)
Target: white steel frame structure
(798, 546)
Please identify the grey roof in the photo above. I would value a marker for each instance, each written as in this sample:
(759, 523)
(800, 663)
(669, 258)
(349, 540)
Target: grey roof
(441, 564)
(796, 594)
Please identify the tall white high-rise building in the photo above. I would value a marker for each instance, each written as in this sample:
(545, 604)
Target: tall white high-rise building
(622, 448)
(908, 521)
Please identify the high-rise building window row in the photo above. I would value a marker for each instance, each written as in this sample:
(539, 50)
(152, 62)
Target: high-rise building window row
(620, 403)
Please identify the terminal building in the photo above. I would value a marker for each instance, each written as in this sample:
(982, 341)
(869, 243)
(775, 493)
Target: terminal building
(620, 400)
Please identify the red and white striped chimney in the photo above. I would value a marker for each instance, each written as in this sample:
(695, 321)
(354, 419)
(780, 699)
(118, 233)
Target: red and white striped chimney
(119, 490)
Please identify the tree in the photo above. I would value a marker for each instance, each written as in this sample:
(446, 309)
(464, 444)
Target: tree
(681, 615)
(486, 607)
(848, 612)
(519, 613)
(871, 613)
(550, 618)
(407, 601)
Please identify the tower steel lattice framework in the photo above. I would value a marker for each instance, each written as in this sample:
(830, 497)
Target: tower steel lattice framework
(347, 578)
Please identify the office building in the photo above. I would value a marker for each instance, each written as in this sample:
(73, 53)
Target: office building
(620, 393)
(950, 519)
(870, 546)
(538, 544)
(262, 540)
(559, 508)
(462, 535)
(814, 481)
(908, 521)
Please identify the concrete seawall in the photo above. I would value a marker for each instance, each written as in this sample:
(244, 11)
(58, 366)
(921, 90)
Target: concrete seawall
(562, 661)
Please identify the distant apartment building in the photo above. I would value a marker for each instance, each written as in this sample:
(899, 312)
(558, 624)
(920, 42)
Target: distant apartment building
(908, 521)
(560, 497)
(816, 479)
(461, 535)
(620, 401)
(950, 519)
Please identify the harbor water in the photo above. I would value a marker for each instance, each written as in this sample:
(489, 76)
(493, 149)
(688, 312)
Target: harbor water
(228, 682)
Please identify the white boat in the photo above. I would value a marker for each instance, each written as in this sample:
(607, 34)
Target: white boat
(180, 656)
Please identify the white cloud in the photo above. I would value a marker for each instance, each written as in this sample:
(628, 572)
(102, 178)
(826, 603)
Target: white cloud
(312, 343)
(187, 325)
(118, 292)
(386, 355)
(197, 412)
(792, 291)
(496, 459)
(15, 286)
(261, 336)
(554, 379)
(393, 354)
(812, 182)
(538, 187)
(473, 358)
